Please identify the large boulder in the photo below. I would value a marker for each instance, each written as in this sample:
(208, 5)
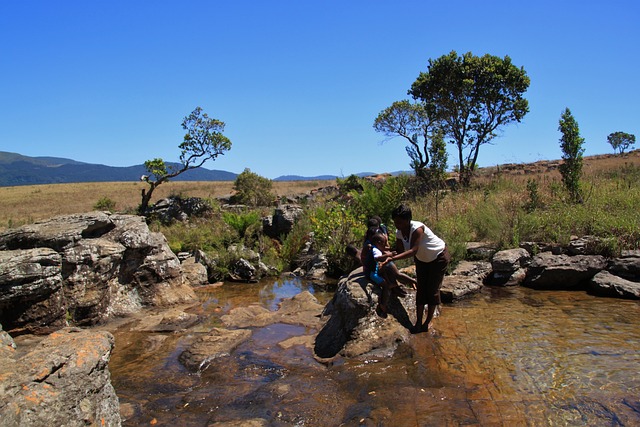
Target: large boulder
(354, 328)
(63, 381)
(549, 271)
(84, 268)
(609, 285)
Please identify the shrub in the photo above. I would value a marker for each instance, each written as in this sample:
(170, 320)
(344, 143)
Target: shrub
(105, 204)
(253, 189)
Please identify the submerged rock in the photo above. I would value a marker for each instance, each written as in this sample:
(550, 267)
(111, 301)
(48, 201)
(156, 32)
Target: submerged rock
(218, 343)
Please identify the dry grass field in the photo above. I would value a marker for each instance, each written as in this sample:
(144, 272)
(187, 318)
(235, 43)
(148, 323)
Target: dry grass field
(26, 204)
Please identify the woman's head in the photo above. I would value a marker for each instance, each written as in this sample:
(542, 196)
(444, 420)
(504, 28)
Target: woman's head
(401, 216)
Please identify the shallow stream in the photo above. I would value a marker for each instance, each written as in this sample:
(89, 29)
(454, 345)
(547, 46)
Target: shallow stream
(509, 356)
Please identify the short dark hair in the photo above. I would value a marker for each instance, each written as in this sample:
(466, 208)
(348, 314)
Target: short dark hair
(374, 221)
(377, 238)
(403, 212)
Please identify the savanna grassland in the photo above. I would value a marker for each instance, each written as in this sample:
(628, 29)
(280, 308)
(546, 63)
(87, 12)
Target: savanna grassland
(30, 203)
(504, 206)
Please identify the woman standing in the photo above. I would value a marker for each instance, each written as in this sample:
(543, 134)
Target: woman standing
(430, 254)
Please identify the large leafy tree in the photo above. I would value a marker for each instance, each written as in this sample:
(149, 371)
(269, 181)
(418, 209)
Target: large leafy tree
(410, 122)
(472, 97)
(620, 141)
(571, 144)
(203, 141)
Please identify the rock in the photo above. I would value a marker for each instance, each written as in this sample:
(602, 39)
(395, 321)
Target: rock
(315, 268)
(252, 422)
(282, 220)
(65, 380)
(586, 245)
(608, 285)
(535, 247)
(195, 274)
(31, 295)
(302, 309)
(626, 266)
(549, 271)
(84, 268)
(354, 328)
(465, 280)
(58, 232)
(480, 251)
(508, 267)
(175, 208)
(169, 320)
(510, 260)
(243, 271)
(218, 343)
(90, 270)
(7, 345)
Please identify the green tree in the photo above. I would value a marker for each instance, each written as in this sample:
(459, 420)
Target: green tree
(620, 141)
(203, 141)
(253, 189)
(471, 98)
(571, 145)
(438, 167)
(411, 122)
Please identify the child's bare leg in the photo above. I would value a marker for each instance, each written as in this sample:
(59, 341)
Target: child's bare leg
(407, 280)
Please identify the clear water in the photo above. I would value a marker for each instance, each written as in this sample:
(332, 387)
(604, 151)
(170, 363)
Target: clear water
(506, 357)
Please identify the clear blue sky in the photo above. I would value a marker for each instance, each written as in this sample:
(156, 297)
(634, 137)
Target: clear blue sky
(298, 83)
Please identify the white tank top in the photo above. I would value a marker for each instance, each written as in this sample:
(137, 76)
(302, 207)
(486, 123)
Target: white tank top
(429, 246)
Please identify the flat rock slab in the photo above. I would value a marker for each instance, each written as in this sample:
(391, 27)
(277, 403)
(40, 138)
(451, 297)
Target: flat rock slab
(65, 380)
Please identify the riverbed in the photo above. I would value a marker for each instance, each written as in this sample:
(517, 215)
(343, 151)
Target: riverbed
(507, 356)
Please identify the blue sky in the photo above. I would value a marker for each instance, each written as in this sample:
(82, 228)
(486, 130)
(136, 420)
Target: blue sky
(298, 83)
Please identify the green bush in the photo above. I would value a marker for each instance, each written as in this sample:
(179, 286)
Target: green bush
(253, 189)
(105, 204)
(379, 198)
(241, 221)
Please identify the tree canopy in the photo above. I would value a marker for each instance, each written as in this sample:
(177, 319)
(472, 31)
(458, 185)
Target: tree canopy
(620, 141)
(411, 122)
(471, 98)
(203, 141)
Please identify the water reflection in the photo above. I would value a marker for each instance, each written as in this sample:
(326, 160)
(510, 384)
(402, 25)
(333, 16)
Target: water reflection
(505, 357)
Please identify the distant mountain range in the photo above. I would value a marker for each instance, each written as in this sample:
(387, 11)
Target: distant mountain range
(16, 169)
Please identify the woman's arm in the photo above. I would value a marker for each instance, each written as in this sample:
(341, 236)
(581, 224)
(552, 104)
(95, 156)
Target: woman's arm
(415, 244)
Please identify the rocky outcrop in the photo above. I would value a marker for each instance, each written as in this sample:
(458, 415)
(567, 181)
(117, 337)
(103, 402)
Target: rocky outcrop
(548, 271)
(176, 208)
(65, 380)
(84, 268)
(354, 328)
(281, 222)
